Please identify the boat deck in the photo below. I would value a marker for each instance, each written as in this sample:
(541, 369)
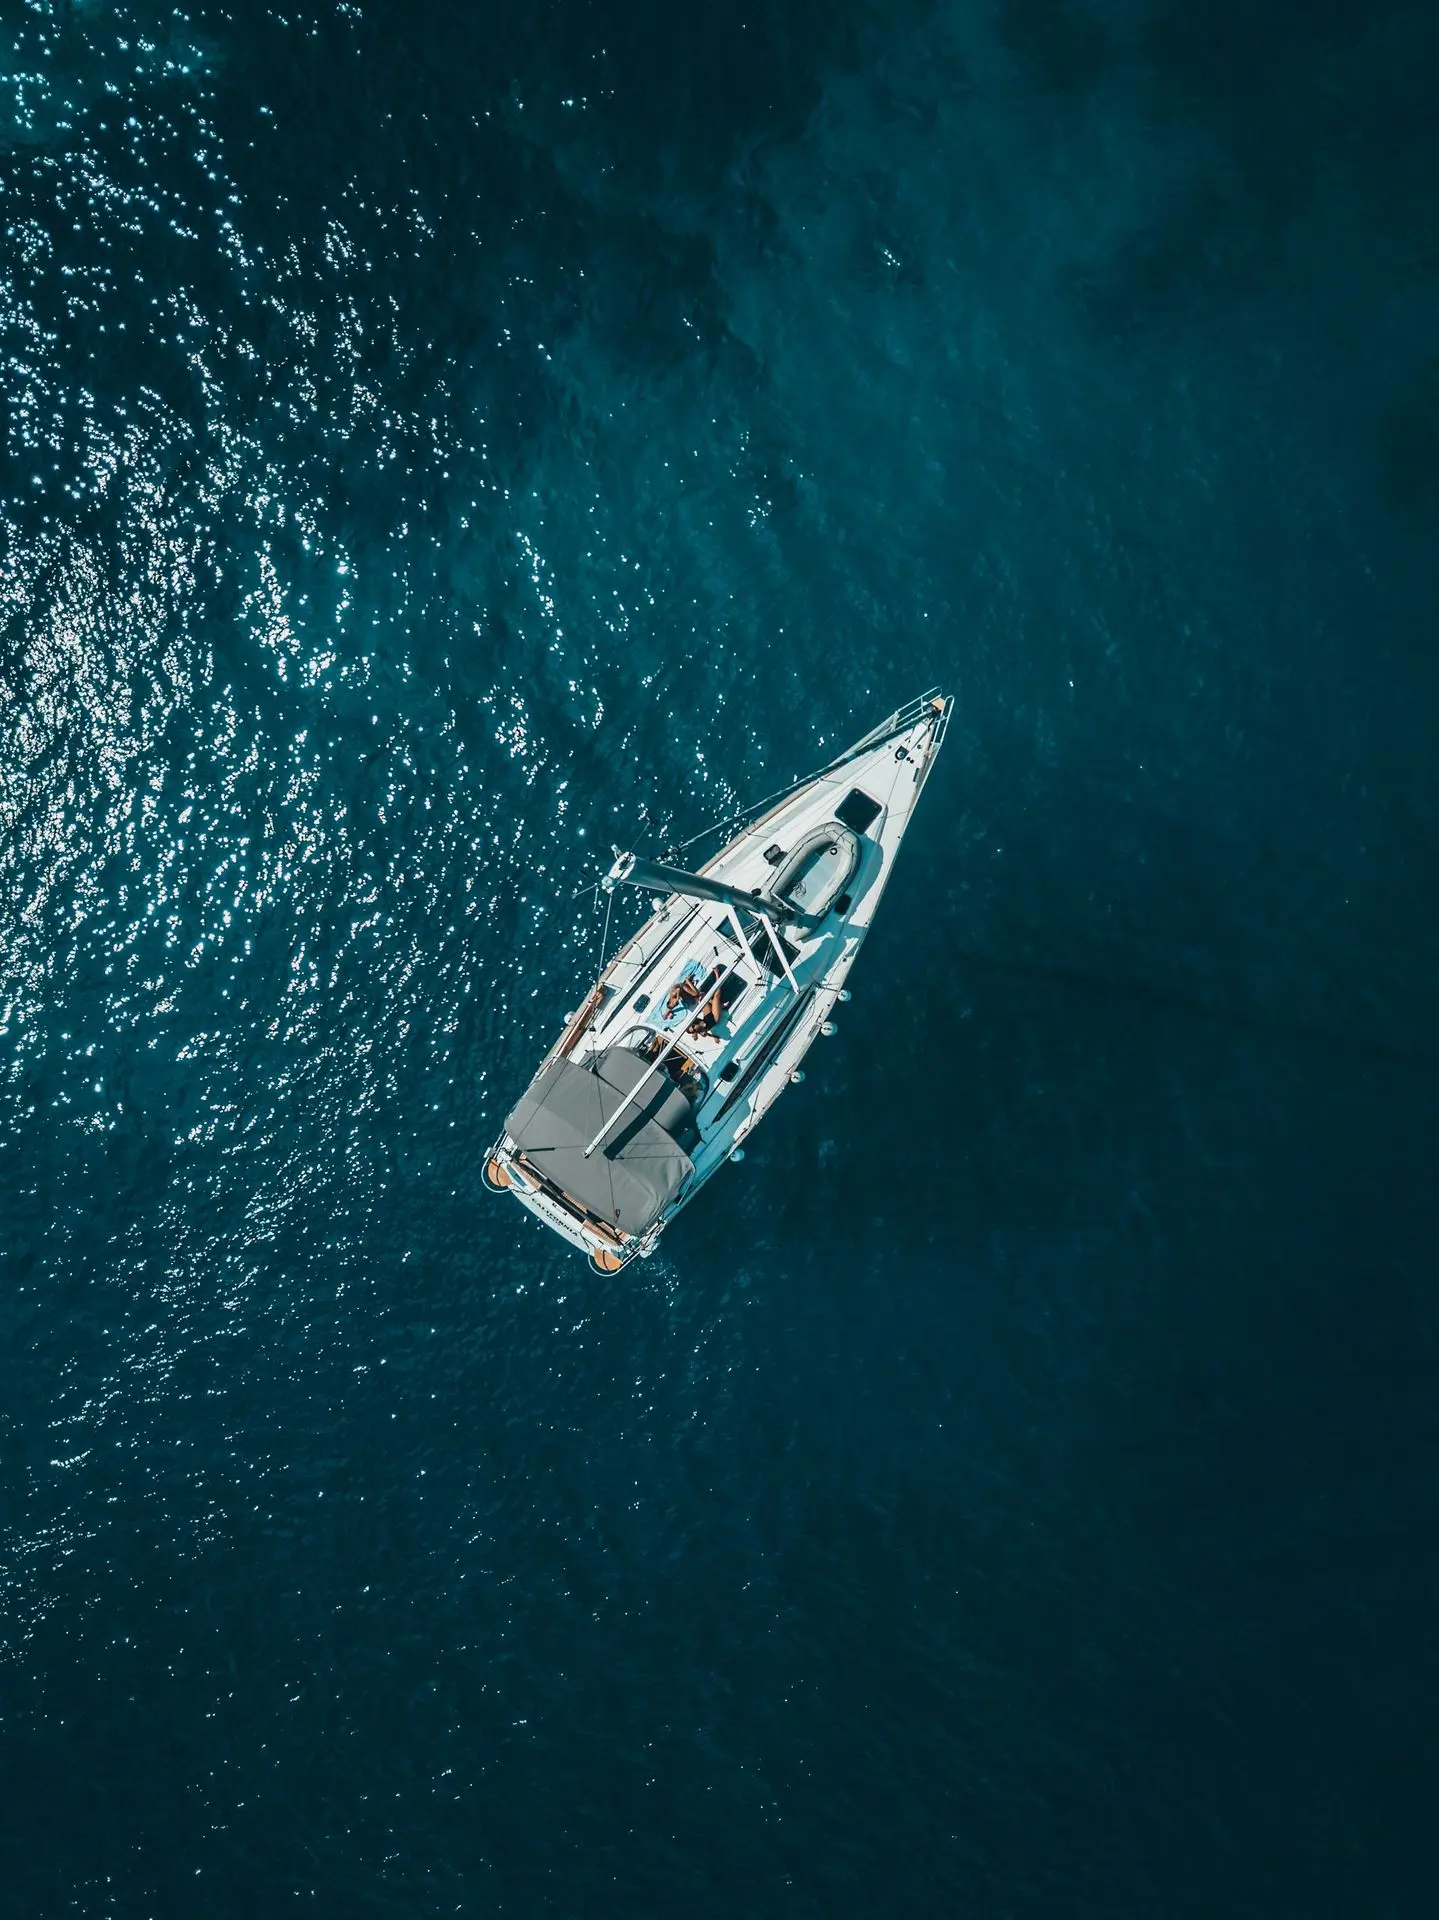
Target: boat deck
(722, 999)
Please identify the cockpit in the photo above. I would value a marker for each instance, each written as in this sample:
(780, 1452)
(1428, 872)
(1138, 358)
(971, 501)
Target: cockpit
(688, 1075)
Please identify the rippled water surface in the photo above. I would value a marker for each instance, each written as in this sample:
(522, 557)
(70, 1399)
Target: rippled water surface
(442, 440)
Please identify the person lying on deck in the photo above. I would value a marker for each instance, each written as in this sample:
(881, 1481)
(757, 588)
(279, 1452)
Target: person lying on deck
(707, 1015)
(726, 993)
(685, 992)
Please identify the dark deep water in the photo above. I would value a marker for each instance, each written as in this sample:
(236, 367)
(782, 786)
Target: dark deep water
(435, 445)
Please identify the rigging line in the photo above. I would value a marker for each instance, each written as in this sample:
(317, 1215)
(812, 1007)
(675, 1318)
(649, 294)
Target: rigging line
(744, 813)
(605, 936)
(890, 727)
(758, 806)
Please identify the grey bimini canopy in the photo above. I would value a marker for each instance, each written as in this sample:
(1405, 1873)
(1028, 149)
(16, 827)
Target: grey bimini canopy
(638, 1168)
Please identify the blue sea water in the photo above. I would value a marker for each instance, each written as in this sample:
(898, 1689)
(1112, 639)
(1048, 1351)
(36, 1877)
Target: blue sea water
(441, 440)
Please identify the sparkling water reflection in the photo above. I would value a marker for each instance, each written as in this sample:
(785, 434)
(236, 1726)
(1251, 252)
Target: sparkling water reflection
(439, 443)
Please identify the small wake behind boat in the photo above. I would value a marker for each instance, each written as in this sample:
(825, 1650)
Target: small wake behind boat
(702, 1018)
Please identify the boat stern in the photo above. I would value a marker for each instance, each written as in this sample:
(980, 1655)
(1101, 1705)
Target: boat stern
(608, 1250)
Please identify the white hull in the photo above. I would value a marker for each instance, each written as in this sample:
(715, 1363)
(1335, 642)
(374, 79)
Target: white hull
(736, 1068)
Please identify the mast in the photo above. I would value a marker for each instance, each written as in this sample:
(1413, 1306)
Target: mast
(636, 871)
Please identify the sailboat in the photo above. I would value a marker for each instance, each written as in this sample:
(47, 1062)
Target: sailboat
(704, 1016)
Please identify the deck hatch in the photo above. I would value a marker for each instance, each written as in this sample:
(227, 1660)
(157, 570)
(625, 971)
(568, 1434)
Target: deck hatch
(857, 811)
